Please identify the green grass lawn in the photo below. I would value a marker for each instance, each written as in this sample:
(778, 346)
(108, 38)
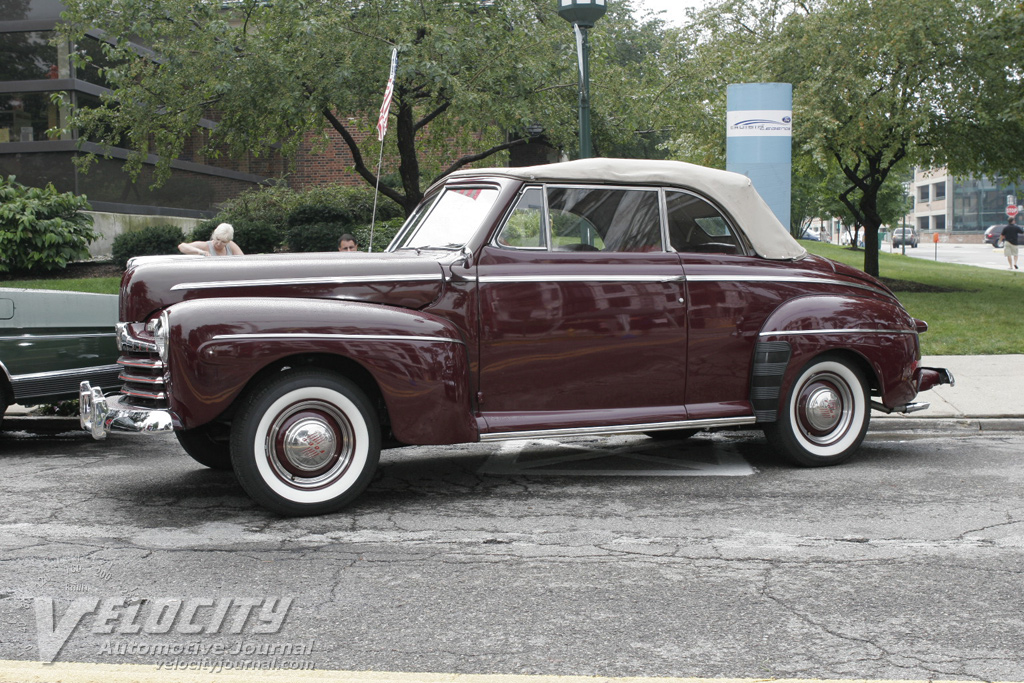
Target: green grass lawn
(969, 310)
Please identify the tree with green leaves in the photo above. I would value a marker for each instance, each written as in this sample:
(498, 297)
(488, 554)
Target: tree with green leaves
(474, 78)
(878, 85)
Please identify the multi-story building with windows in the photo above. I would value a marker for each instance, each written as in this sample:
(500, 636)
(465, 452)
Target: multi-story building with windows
(959, 207)
(33, 67)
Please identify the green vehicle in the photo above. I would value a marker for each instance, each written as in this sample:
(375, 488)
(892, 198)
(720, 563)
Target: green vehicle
(50, 342)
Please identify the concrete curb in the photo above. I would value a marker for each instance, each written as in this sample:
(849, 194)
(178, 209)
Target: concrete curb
(951, 424)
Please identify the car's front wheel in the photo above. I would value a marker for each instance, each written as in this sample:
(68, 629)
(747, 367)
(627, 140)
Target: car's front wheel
(305, 443)
(825, 415)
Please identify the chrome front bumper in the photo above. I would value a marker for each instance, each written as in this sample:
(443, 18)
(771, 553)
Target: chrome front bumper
(99, 415)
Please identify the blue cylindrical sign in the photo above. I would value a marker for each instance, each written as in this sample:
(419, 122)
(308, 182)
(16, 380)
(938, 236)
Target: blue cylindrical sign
(759, 140)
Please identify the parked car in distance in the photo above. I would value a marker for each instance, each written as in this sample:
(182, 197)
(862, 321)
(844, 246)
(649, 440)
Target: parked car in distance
(811, 233)
(994, 235)
(904, 236)
(600, 296)
(50, 342)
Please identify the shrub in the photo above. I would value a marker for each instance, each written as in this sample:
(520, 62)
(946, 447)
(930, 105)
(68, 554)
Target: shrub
(202, 230)
(148, 241)
(258, 237)
(314, 237)
(383, 233)
(323, 214)
(264, 204)
(40, 228)
(253, 236)
(312, 220)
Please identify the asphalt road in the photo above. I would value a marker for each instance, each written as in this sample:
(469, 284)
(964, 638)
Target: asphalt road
(614, 557)
(981, 255)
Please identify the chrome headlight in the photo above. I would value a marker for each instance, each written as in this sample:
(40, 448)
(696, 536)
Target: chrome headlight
(160, 329)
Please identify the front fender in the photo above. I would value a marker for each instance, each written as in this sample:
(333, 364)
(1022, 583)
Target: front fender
(877, 333)
(419, 362)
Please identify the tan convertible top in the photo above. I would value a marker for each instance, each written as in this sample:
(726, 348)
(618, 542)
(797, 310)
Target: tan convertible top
(732, 191)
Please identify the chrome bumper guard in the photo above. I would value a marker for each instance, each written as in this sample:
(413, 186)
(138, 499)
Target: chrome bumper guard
(925, 378)
(99, 415)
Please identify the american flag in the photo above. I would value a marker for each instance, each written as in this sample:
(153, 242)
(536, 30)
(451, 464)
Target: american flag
(385, 107)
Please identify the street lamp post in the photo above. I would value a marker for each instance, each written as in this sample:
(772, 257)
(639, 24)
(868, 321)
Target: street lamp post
(582, 14)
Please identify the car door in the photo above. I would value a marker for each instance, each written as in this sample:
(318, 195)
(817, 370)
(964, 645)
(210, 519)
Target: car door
(582, 314)
(730, 292)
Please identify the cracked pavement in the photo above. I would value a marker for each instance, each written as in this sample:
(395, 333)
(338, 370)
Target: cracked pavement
(904, 563)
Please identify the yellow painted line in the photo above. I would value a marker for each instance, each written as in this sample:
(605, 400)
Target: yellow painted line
(16, 671)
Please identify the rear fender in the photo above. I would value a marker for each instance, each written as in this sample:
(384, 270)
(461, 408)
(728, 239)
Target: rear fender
(418, 362)
(876, 334)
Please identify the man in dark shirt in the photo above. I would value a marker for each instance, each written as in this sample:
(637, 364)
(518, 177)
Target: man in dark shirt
(1011, 238)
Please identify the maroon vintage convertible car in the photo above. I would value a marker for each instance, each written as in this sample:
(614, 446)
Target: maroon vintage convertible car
(590, 297)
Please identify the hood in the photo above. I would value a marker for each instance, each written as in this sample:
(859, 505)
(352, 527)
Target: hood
(151, 284)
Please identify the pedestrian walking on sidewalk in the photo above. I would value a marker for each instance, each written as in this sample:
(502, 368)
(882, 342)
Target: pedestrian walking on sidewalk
(1011, 239)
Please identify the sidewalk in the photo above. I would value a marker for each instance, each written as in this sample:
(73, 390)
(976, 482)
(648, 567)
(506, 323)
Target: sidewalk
(986, 387)
(986, 397)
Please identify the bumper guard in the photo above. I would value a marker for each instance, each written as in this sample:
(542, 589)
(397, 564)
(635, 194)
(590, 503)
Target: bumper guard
(99, 415)
(925, 379)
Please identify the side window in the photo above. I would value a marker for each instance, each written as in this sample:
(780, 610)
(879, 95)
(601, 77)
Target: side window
(694, 225)
(524, 226)
(601, 219)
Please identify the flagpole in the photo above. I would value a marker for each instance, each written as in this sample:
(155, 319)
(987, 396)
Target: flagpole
(376, 189)
(382, 130)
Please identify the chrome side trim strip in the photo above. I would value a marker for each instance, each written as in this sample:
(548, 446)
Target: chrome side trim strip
(794, 279)
(310, 335)
(513, 279)
(618, 429)
(43, 337)
(353, 279)
(852, 330)
(65, 373)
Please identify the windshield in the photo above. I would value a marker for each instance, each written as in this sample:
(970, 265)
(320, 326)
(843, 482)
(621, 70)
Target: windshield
(448, 221)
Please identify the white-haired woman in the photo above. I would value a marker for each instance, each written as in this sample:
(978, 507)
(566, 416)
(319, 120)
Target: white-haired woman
(221, 243)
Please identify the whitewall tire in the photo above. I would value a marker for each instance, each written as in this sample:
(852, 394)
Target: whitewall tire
(825, 415)
(306, 442)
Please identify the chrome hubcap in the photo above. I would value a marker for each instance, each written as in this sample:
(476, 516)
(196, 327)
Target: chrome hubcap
(310, 444)
(824, 409)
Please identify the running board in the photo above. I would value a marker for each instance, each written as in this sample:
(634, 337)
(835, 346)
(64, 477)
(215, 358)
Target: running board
(618, 429)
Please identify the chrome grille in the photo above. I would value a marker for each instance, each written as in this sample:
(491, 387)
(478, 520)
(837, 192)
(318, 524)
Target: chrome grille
(142, 371)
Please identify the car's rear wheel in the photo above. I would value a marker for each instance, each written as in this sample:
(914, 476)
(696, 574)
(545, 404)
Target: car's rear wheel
(208, 445)
(825, 415)
(305, 443)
